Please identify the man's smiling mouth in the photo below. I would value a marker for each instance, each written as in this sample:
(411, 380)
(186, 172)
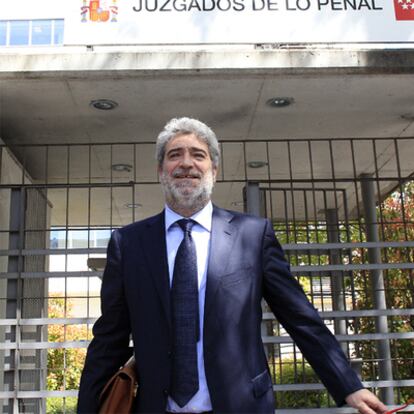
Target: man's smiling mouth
(186, 176)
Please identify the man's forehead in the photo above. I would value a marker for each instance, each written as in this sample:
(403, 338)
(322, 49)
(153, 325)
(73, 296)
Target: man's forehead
(189, 141)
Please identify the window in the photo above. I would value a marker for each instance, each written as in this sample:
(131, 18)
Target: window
(42, 32)
(19, 32)
(58, 32)
(3, 33)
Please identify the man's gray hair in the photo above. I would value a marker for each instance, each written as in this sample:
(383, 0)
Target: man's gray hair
(179, 126)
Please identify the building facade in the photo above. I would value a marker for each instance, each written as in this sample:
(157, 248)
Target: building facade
(313, 104)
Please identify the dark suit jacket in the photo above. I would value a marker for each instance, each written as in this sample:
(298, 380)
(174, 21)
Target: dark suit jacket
(246, 263)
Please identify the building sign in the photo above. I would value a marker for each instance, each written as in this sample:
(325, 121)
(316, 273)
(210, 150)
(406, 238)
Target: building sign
(404, 9)
(238, 21)
(99, 11)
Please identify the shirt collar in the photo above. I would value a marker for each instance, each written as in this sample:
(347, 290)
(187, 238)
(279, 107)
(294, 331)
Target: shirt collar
(202, 217)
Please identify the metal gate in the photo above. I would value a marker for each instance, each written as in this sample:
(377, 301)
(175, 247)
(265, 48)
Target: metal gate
(346, 225)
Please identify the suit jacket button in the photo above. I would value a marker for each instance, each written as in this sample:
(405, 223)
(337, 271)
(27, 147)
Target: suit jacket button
(165, 392)
(169, 353)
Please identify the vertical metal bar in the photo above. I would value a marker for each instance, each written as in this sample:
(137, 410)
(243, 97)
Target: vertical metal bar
(322, 262)
(43, 329)
(337, 285)
(253, 206)
(374, 256)
(245, 161)
(269, 178)
(381, 221)
(134, 202)
(308, 240)
(66, 304)
(356, 363)
(88, 292)
(292, 195)
(89, 193)
(286, 207)
(401, 187)
(67, 224)
(222, 160)
(294, 226)
(356, 181)
(315, 210)
(111, 182)
(333, 230)
(331, 155)
(68, 174)
(358, 224)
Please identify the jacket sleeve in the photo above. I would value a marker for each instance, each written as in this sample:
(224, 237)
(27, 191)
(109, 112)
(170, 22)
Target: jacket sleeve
(291, 307)
(108, 349)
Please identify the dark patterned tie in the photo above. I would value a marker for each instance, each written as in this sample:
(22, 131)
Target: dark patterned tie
(186, 327)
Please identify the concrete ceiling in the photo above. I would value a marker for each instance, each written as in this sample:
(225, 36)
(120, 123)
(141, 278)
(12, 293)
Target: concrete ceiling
(55, 109)
(51, 110)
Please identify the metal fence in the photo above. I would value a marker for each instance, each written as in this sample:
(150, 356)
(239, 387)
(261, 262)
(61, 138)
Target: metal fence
(342, 209)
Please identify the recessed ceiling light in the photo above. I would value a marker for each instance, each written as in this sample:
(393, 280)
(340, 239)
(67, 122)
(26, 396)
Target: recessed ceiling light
(122, 167)
(133, 205)
(279, 101)
(103, 104)
(257, 164)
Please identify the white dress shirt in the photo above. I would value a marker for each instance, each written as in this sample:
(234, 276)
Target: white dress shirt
(200, 233)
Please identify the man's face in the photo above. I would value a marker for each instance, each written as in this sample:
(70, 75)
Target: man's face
(187, 173)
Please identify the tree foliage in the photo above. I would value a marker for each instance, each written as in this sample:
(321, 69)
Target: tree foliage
(64, 365)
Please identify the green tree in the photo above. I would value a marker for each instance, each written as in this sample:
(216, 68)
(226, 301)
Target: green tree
(64, 365)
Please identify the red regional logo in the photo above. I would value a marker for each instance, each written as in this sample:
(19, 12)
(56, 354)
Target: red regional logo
(99, 10)
(404, 9)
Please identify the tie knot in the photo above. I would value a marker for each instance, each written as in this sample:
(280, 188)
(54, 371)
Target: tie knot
(186, 225)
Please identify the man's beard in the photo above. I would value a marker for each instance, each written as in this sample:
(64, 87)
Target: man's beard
(184, 195)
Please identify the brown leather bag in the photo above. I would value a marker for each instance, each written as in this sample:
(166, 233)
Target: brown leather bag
(119, 393)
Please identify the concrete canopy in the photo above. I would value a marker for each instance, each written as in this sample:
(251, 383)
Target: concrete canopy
(338, 94)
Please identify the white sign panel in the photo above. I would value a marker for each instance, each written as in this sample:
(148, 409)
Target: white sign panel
(238, 21)
(29, 9)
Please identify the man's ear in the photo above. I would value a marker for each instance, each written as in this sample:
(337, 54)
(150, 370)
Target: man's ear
(215, 172)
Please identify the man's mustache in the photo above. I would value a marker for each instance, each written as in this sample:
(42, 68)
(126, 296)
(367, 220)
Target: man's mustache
(180, 173)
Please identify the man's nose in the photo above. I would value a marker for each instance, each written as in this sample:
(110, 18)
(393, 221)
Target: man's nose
(187, 160)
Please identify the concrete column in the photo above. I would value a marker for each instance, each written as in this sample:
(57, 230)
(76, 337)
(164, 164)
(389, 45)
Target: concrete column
(253, 205)
(377, 277)
(4, 245)
(337, 281)
(11, 358)
(34, 303)
(253, 199)
(25, 370)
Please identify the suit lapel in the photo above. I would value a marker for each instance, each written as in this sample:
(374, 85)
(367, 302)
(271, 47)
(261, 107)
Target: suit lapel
(223, 234)
(156, 254)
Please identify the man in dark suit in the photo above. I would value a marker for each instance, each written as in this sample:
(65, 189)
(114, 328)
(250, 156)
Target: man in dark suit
(187, 284)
